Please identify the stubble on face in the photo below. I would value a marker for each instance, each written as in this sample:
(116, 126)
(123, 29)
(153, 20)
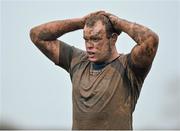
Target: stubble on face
(101, 48)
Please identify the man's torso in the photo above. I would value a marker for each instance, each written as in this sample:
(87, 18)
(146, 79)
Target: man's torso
(105, 98)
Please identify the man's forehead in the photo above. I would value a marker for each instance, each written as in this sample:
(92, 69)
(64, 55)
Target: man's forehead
(93, 31)
(97, 29)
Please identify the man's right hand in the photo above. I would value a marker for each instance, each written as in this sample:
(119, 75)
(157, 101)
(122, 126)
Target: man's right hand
(92, 14)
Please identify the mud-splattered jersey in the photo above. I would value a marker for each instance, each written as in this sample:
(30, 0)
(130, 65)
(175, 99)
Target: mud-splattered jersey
(104, 98)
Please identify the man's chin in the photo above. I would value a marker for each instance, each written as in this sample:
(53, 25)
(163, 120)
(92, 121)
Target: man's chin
(93, 60)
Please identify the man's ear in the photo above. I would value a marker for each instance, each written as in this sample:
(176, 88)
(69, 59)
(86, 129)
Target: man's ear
(114, 37)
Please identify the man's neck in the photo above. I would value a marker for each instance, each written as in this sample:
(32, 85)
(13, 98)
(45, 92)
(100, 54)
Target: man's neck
(99, 66)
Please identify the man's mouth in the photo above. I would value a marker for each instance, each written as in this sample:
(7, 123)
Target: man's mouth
(91, 53)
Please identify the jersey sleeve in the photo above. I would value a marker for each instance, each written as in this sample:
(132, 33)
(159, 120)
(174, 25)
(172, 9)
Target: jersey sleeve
(67, 55)
(135, 76)
(138, 72)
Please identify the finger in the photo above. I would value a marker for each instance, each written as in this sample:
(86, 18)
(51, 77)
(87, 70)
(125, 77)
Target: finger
(102, 13)
(97, 12)
(107, 14)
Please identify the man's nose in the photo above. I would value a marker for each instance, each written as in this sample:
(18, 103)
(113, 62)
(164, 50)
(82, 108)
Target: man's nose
(89, 45)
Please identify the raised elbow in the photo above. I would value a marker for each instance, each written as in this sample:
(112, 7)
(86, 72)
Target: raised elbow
(33, 35)
(156, 38)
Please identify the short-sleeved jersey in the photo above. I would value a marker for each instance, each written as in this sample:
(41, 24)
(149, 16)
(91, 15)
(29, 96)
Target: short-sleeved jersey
(105, 98)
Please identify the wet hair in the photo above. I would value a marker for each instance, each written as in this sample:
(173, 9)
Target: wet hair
(90, 22)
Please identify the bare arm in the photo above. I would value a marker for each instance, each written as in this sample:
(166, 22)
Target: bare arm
(45, 36)
(144, 52)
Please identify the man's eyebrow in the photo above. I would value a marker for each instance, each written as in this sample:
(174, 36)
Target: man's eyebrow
(97, 34)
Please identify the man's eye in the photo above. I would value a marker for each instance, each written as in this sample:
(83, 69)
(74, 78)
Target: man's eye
(96, 40)
(85, 39)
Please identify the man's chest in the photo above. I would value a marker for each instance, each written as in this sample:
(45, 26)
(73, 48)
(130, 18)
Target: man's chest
(93, 90)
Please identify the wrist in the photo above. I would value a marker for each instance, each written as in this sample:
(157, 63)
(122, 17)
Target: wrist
(81, 23)
(77, 23)
(115, 23)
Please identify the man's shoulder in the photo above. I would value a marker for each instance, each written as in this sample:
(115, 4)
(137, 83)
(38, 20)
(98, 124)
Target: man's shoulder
(79, 57)
(78, 54)
(123, 58)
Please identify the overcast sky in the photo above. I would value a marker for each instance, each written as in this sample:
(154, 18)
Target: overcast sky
(36, 94)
